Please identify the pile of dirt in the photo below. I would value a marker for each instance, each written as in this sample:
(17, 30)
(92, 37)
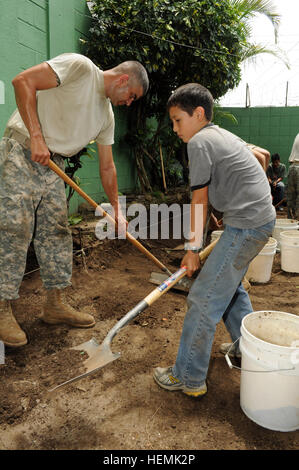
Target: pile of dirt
(120, 406)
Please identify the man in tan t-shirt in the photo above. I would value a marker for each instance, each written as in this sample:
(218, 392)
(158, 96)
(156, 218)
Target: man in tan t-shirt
(63, 104)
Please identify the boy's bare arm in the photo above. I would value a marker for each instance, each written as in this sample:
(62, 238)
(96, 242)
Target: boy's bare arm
(199, 209)
(26, 84)
(198, 219)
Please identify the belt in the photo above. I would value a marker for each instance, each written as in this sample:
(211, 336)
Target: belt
(294, 163)
(20, 138)
(25, 141)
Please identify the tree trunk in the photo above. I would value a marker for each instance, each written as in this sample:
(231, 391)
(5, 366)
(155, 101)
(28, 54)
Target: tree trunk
(143, 178)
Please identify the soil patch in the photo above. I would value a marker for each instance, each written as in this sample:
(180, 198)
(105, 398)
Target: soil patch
(120, 406)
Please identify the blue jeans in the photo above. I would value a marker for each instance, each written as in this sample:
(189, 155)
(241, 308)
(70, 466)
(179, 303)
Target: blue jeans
(277, 192)
(217, 293)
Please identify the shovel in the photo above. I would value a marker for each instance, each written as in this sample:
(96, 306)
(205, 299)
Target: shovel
(129, 237)
(100, 354)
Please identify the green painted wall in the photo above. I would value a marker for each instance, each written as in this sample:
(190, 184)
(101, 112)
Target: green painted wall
(24, 42)
(125, 164)
(271, 128)
(32, 31)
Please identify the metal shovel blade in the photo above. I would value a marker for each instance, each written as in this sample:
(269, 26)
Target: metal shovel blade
(183, 285)
(99, 356)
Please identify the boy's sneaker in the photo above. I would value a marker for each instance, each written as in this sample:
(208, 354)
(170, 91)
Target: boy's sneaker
(163, 376)
(233, 353)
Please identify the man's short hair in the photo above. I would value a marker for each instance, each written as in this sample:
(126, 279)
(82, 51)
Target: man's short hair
(135, 68)
(275, 157)
(188, 97)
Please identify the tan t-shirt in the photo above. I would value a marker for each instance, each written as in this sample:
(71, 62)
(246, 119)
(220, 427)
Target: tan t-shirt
(294, 157)
(75, 112)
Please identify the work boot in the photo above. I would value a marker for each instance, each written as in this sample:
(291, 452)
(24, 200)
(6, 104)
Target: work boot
(10, 332)
(56, 311)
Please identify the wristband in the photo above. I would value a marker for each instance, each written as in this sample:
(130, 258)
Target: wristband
(194, 249)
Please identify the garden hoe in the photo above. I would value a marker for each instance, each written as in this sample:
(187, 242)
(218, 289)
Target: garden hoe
(185, 283)
(100, 354)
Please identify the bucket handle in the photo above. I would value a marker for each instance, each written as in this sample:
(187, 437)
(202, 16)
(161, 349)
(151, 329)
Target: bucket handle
(267, 254)
(232, 366)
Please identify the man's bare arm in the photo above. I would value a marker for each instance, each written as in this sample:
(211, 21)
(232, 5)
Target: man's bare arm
(26, 84)
(109, 182)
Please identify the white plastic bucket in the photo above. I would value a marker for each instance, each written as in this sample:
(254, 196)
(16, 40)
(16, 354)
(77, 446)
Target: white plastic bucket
(260, 268)
(282, 225)
(269, 393)
(216, 234)
(289, 247)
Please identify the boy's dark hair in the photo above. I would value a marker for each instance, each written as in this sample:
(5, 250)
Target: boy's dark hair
(275, 157)
(190, 96)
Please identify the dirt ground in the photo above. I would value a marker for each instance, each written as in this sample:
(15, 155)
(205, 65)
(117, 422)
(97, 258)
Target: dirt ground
(120, 406)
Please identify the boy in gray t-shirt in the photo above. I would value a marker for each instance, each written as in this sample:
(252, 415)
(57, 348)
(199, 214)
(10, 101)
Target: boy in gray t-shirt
(225, 173)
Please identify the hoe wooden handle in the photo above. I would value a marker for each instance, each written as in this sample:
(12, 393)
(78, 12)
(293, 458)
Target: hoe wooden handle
(85, 196)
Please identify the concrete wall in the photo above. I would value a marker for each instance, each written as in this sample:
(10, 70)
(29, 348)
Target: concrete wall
(124, 161)
(32, 31)
(24, 43)
(273, 128)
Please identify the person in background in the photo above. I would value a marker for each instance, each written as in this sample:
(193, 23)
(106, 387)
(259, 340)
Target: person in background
(261, 154)
(276, 172)
(293, 181)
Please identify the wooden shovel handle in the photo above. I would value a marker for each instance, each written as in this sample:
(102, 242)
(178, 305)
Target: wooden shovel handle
(207, 250)
(177, 276)
(85, 196)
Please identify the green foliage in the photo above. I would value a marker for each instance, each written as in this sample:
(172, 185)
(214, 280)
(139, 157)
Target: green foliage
(247, 11)
(73, 164)
(178, 41)
(209, 29)
(220, 116)
(75, 219)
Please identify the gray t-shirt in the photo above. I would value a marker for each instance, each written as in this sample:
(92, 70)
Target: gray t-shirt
(275, 173)
(238, 185)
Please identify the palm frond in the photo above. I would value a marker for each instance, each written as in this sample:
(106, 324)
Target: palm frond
(247, 9)
(251, 51)
(219, 115)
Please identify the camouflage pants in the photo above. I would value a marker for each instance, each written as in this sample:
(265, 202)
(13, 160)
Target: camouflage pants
(293, 191)
(32, 207)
